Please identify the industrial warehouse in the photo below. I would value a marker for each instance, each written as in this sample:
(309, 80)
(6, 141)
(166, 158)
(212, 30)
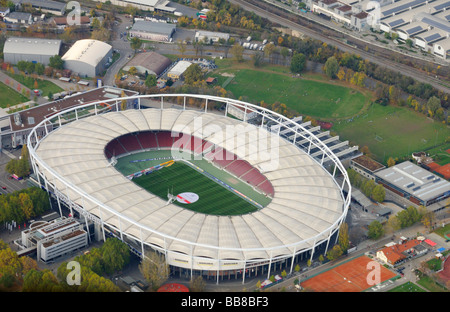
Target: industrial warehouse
(30, 49)
(88, 57)
(425, 23)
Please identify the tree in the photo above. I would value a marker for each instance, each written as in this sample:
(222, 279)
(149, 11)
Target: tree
(101, 34)
(135, 43)
(334, 253)
(181, 47)
(237, 50)
(257, 59)
(375, 230)
(298, 63)
(40, 281)
(428, 219)
(269, 49)
(331, 67)
(154, 269)
(433, 104)
(391, 162)
(193, 74)
(150, 81)
(115, 255)
(197, 284)
(378, 193)
(56, 62)
(343, 237)
(132, 71)
(284, 53)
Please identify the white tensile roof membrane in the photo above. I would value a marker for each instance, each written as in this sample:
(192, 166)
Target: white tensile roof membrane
(306, 201)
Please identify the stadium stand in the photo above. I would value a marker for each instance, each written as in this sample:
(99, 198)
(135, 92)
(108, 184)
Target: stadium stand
(220, 157)
(130, 142)
(165, 139)
(147, 139)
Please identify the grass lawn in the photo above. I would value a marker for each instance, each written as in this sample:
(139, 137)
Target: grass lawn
(388, 131)
(213, 198)
(313, 98)
(393, 131)
(179, 178)
(44, 85)
(10, 97)
(407, 287)
(428, 283)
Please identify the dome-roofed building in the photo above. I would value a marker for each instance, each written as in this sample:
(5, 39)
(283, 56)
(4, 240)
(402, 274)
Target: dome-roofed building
(87, 57)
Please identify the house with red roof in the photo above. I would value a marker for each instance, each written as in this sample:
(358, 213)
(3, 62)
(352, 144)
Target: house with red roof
(394, 254)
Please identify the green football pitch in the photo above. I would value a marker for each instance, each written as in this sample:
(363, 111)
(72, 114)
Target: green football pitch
(213, 198)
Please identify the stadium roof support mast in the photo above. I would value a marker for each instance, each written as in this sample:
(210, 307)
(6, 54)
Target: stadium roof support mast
(49, 178)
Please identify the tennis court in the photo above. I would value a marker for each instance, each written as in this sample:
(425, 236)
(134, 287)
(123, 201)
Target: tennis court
(351, 276)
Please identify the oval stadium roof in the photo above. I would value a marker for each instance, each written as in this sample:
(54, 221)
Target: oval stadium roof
(306, 202)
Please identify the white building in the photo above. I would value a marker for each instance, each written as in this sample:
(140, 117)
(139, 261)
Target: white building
(154, 31)
(177, 71)
(54, 239)
(210, 36)
(30, 49)
(147, 5)
(88, 57)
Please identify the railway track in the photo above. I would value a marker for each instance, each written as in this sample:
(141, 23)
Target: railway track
(317, 32)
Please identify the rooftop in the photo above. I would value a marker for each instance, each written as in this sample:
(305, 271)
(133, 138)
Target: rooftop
(150, 60)
(88, 51)
(368, 163)
(32, 46)
(154, 27)
(415, 180)
(38, 113)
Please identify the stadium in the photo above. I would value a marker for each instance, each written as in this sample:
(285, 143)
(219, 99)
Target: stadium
(217, 196)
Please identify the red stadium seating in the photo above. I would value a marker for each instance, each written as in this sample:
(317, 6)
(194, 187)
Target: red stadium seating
(130, 142)
(253, 177)
(115, 148)
(147, 139)
(219, 156)
(165, 139)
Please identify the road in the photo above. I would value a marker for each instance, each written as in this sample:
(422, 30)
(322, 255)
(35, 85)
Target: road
(404, 69)
(122, 46)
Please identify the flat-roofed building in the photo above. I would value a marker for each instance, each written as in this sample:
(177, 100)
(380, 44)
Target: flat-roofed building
(211, 36)
(178, 70)
(18, 126)
(45, 6)
(54, 239)
(154, 31)
(414, 183)
(30, 49)
(147, 5)
(366, 166)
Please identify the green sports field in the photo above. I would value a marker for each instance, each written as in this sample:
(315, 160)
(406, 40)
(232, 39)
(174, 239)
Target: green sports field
(178, 178)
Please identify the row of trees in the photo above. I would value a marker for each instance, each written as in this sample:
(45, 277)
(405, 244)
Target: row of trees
(23, 205)
(23, 271)
(111, 257)
(20, 167)
(367, 186)
(401, 220)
